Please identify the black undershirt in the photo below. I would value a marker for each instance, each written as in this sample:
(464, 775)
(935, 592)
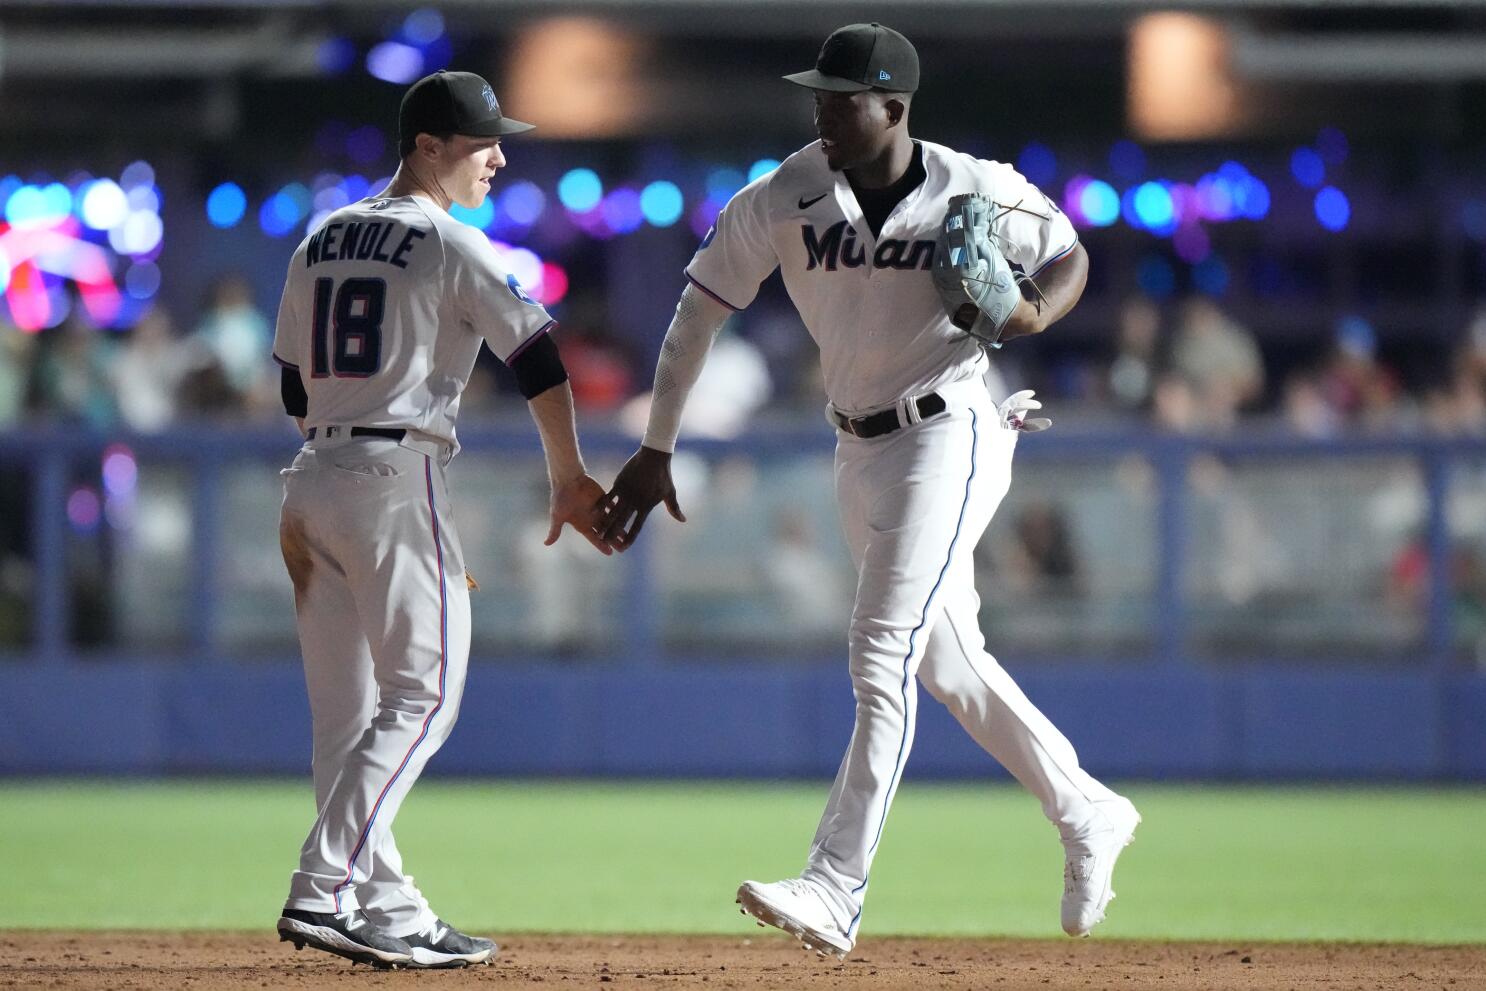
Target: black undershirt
(876, 204)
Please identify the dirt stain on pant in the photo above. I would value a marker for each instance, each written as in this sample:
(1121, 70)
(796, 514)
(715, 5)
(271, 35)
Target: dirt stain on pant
(295, 544)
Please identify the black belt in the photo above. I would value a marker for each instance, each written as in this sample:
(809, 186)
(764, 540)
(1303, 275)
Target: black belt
(877, 424)
(391, 433)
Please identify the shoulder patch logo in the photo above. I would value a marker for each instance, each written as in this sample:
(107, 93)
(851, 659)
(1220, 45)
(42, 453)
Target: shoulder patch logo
(516, 290)
(711, 233)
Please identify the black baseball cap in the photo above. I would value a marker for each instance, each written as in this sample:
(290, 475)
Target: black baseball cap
(452, 103)
(861, 57)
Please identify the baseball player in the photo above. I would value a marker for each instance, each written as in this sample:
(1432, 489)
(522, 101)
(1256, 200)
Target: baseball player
(898, 254)
(384, 310)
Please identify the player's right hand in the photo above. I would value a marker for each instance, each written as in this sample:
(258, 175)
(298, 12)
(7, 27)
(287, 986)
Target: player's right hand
(643, 482)
(579, 504)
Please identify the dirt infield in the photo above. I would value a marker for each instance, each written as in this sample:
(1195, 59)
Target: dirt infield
(206, 961)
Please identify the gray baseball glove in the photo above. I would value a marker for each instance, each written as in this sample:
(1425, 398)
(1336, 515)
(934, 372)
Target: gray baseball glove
(977, 286)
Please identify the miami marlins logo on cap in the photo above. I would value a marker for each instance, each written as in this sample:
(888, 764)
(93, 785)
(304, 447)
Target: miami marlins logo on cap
(489, 95)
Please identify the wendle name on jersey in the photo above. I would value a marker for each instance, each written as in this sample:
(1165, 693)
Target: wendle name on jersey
(360, 242)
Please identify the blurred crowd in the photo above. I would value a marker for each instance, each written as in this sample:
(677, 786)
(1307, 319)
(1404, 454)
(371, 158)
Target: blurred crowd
(1196, 369)
(1188, 366)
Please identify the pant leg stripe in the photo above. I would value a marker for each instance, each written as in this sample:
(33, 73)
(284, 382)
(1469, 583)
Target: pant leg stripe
(908, 667)
(443, 670)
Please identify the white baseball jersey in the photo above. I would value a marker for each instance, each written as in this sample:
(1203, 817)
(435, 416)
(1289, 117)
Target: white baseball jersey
(384, 309)
(915, 500)
(870, 302)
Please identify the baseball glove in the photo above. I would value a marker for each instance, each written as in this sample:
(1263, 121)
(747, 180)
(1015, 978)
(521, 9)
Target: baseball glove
(976, 284)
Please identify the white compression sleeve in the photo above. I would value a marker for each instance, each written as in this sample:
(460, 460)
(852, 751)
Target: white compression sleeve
(693, 329)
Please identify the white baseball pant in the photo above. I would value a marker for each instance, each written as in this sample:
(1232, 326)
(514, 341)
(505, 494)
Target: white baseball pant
(914, 503)
(384, 626)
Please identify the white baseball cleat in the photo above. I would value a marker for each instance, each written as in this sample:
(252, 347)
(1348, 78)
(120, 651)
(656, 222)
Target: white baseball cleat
(799, 907)
(1088, 871)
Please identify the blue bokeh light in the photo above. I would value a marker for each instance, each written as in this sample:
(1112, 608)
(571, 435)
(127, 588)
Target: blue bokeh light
(1332, 208)
(480, 217)
(662, 203)
(580, 190)
(523, 202)
(1153, 206)
(723, 183)
(1307, 168)
(394, 62)
(226, 205)
(761, 168)
(1099, 203)
(284, 210)
(1038, 163)
(423, 27)
(1252, 199)
(622, 211)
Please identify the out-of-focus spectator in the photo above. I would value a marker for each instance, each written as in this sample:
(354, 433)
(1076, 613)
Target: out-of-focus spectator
(232, 373)
(1356, 385)
(148, 372)
(733, 385)
(812, 593)
(16, 349)
(1219, 361)
(72, 377)
(598, 370)
(1306, 410)
(1174, 406)
(1041, 559)
(1132, 375)
(1458, 406)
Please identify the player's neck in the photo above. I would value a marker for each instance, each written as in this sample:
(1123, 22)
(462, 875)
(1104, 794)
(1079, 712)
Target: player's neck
(886, 168)
(407, 183)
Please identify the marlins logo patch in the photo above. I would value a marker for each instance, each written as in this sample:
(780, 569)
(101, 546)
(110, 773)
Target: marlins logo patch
(489, 95)
(517, 291)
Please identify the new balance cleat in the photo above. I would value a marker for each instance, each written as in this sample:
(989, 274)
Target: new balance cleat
(348, 935)
(441, 946)
(798, 907)
(1088, 870)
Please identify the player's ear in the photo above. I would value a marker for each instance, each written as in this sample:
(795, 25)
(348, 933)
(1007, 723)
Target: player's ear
(429, 147)
(896, 110)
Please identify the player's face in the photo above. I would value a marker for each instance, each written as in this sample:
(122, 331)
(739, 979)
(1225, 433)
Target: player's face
(470, 165)
(853, 127)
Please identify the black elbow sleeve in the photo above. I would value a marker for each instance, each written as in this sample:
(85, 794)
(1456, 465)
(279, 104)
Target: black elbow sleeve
(539, 367)
(291, 390)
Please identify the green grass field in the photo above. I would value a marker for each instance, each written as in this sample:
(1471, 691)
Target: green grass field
(1223, 863)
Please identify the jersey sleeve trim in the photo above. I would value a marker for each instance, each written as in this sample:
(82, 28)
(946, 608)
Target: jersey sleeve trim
(1055, 259)
(544, 329)
(692, 279)
(286, 364)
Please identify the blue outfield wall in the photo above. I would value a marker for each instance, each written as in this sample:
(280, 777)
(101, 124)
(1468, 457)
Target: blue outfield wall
(761, 719)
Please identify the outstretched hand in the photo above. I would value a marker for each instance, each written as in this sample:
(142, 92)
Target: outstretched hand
(643, 482)
(579, 504)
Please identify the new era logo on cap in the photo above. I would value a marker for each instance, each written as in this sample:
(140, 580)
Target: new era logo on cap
(882, 74)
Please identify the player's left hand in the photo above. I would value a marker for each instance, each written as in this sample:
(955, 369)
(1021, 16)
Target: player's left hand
(1014, 409)
(643, 483)
(578, 503)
